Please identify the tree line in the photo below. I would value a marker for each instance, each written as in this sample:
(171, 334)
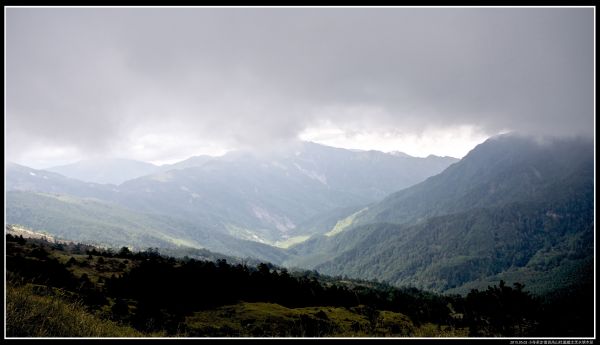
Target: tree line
(153, 292)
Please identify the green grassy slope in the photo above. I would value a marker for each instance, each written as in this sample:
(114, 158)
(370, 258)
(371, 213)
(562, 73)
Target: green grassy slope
(31, 314)
(106, 224)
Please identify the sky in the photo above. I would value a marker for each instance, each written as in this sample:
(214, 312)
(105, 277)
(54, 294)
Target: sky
(163, 84)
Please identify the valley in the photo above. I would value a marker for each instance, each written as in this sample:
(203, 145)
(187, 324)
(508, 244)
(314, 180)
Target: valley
(512, 211)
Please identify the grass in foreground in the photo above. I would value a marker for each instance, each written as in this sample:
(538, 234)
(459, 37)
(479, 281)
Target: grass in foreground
(32, 315)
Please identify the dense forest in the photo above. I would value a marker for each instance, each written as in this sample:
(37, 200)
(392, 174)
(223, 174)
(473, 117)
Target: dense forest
(144, 293)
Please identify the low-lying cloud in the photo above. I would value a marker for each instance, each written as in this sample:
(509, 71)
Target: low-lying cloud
(157, 83)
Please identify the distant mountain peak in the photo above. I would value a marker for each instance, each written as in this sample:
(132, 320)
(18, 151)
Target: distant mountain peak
(106, 170)
(400, 154)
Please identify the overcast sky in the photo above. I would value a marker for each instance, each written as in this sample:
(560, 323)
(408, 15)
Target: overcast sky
(163, 84)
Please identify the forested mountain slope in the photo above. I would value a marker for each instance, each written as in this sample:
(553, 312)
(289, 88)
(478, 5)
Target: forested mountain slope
(513, 208)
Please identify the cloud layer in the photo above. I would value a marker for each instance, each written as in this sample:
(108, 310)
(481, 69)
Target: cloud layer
(154, 83)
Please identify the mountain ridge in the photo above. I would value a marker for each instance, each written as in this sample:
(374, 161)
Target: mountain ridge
(266, 198)
(416, 235)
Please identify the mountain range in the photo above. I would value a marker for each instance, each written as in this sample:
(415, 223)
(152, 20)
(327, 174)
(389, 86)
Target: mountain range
(515, 208)
(241, 195)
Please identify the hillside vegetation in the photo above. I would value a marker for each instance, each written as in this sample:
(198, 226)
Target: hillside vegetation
(124, 293)
(40, 311)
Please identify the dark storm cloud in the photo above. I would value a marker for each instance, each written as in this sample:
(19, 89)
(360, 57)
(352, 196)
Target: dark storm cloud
(89, 78)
